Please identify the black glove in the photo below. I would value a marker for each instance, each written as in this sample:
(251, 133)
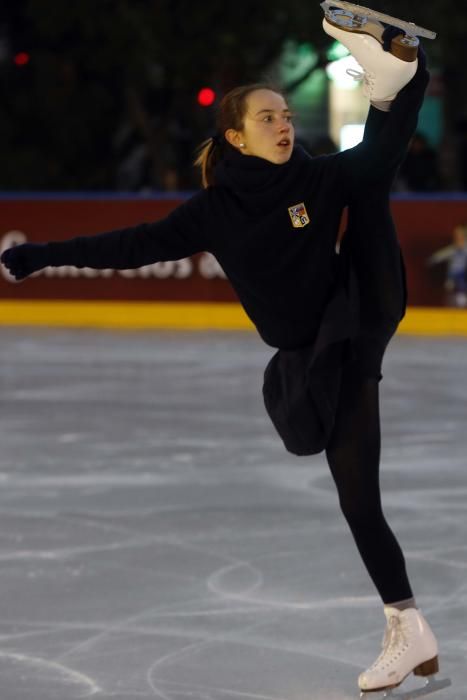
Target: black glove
(23, 260)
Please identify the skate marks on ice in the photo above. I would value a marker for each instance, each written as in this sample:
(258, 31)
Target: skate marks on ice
(185, 557)
(432, 685)
(181, 691)
(30, 676)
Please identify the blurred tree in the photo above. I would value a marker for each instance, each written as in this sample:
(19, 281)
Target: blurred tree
(116, 81)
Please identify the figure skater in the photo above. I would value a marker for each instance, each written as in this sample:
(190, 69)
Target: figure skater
(271, 214)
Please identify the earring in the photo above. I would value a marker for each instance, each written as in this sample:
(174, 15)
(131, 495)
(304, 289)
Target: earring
(242, 145)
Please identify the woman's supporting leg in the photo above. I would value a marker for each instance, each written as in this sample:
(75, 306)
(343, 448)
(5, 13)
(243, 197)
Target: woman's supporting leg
(353, 455)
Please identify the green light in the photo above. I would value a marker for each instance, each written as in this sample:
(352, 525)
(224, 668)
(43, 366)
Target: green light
(337, 51)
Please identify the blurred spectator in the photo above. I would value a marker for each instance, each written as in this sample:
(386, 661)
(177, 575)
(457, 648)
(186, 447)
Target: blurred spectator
(170, 180)
(456, 282)
(420, 170)
(456, 257)
(132, 158)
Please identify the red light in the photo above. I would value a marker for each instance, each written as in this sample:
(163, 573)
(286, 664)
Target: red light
(22, 58)
(206, 97)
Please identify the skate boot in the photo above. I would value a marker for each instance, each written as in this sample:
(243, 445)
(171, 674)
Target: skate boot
(384, 74)
(408, 646)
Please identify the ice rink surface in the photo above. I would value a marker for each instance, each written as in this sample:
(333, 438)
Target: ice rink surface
(158, 542)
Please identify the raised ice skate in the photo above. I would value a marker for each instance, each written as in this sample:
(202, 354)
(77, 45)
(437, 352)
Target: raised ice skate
(357, 18)
(383, 73)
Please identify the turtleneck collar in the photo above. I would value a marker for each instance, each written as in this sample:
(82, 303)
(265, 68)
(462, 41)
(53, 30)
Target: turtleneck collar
(253, 178)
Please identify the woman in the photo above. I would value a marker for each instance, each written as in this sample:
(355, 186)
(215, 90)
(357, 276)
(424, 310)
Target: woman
(271, 214)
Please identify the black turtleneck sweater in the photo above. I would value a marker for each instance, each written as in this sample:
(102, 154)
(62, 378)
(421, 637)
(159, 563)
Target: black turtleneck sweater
(283, 275)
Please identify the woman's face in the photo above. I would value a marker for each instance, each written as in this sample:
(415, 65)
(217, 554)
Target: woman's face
(268, 131)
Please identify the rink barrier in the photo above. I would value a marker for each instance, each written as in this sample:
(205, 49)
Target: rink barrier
(189, 316)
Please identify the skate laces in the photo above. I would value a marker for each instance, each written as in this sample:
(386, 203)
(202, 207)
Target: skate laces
(393, 634)
(395, 640)
(367, 78)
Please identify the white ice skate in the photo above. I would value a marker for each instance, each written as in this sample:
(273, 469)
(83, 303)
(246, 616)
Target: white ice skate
(360, 30)
(409, 646)
(360, 19)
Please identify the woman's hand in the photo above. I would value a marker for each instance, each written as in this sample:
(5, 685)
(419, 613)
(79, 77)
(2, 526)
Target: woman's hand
(22, 260)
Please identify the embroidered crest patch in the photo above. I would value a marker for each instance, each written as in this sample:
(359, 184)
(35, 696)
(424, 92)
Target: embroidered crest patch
(299, 215)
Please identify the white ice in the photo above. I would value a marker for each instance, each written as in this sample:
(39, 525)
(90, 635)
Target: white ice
(156, 540)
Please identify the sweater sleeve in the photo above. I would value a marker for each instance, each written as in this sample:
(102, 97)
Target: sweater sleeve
(177, 236)
(386, 137)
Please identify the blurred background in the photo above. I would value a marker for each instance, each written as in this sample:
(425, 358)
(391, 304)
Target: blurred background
(116, 95)
(111, 99)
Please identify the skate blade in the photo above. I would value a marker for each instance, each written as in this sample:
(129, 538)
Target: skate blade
(363, 14)
(433, 685)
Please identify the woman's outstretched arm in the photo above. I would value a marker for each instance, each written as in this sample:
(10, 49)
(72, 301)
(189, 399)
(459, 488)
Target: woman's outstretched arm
(177, 236)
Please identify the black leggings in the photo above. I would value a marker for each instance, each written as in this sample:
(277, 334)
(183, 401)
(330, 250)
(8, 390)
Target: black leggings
(353, 452)
(353, 455)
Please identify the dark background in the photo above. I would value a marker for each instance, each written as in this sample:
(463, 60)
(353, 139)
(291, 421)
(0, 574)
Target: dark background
(112, 80)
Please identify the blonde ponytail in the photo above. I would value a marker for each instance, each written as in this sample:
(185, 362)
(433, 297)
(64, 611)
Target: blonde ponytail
(208, 156)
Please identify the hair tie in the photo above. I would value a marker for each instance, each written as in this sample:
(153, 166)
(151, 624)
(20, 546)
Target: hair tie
(217, 139)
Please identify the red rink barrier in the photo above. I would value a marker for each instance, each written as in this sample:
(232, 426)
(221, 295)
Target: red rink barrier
(424, 225)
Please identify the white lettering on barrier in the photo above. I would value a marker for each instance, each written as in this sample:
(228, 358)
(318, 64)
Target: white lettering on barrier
(71, 271)
(208, 267)
(183, 269)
